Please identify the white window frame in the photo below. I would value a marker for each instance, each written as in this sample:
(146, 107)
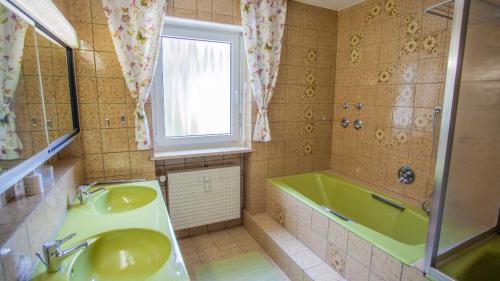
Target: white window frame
(192, 29)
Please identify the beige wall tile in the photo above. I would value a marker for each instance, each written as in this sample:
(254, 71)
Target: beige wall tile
(113, 113)
(359, 249)
(355, 271)
(185, 4)
(45, 60)
(140, 163)
(336, 258)
(222, 7)
(87, 90)
(89, 116)
(111, 90)
(412, 274)
(385, 266)
(184, 13)
(337, 236)
(84, 32)
(319, 223)
(322, 272)
(204, 5)
(98, 15)
(91, 141)
(94, 167)
(85, 63)
(306, 260)
(59, 63)
(61, 87)
(114, 140)
(318, 244)
(64, 117)
(79, 11)
(107, 65)
(102, 38)
(116, 164)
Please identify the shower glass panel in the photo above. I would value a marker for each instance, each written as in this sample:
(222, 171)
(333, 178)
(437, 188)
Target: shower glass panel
(463, 241)
(473, 190)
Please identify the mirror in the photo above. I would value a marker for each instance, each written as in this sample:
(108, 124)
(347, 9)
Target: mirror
(55, 86)
(22, 119)
(38, 111)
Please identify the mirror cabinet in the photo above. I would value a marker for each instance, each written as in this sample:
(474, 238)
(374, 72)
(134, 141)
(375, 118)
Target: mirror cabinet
(38, 109)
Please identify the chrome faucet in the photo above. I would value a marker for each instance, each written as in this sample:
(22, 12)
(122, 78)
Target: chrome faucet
(83, 191)
(53, 256)
(427, 204)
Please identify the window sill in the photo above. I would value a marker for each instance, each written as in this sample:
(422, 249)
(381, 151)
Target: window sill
(200, 152)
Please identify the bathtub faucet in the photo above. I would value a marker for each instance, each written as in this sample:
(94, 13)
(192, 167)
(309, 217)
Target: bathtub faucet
(427, 204)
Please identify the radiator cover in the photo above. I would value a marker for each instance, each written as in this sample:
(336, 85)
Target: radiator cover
(204, 197)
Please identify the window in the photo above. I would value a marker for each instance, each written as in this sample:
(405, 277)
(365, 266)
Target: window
(197, 100)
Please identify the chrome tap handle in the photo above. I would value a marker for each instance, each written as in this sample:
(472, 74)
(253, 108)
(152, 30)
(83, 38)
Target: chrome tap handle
(94, 191)
(406, 175)
(65, 239)
(40, 257)
(345, 122)
(85, 187)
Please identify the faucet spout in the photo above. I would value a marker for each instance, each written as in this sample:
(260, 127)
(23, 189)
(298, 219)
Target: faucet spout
(83, 192)
(71, 250)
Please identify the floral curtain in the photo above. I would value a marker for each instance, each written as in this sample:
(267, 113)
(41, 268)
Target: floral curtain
(12, 33)
(135, 28)
(263, 23)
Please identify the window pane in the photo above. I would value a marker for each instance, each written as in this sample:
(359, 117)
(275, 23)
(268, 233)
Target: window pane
(197, 86)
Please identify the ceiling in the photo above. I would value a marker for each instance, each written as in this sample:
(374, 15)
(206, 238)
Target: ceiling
(331, 4)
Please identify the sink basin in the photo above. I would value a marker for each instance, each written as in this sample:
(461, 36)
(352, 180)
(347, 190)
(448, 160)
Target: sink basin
(122, 199)
(122, 255)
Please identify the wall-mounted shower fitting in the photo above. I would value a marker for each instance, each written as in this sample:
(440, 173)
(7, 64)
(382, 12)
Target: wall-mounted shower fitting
(358, 124)
(345, 122)
(406, 175)
(345, 105)
(358, 105)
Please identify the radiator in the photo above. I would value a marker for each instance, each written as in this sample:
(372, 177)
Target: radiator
(204, 197)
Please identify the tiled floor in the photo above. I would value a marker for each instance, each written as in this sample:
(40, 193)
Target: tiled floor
(220, 245)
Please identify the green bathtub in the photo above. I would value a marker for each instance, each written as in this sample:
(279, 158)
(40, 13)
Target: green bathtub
(480, 261)
(396, 227)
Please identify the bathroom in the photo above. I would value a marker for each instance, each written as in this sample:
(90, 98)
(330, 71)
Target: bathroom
(214, 140)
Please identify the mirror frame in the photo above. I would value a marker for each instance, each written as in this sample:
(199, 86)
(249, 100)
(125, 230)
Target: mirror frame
(18, 172)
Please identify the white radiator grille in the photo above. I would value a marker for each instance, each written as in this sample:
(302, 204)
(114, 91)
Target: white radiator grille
(204, 196)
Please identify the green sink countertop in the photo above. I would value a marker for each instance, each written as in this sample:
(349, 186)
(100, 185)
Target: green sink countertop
(124, 222)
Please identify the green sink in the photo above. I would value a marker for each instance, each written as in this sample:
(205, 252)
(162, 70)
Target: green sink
(123, 198)
(122, 255)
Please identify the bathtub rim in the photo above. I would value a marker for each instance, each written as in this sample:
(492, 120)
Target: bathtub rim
(405, 253)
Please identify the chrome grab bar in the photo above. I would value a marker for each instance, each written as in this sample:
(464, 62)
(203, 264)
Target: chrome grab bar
(325, 208)
(388, 202)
